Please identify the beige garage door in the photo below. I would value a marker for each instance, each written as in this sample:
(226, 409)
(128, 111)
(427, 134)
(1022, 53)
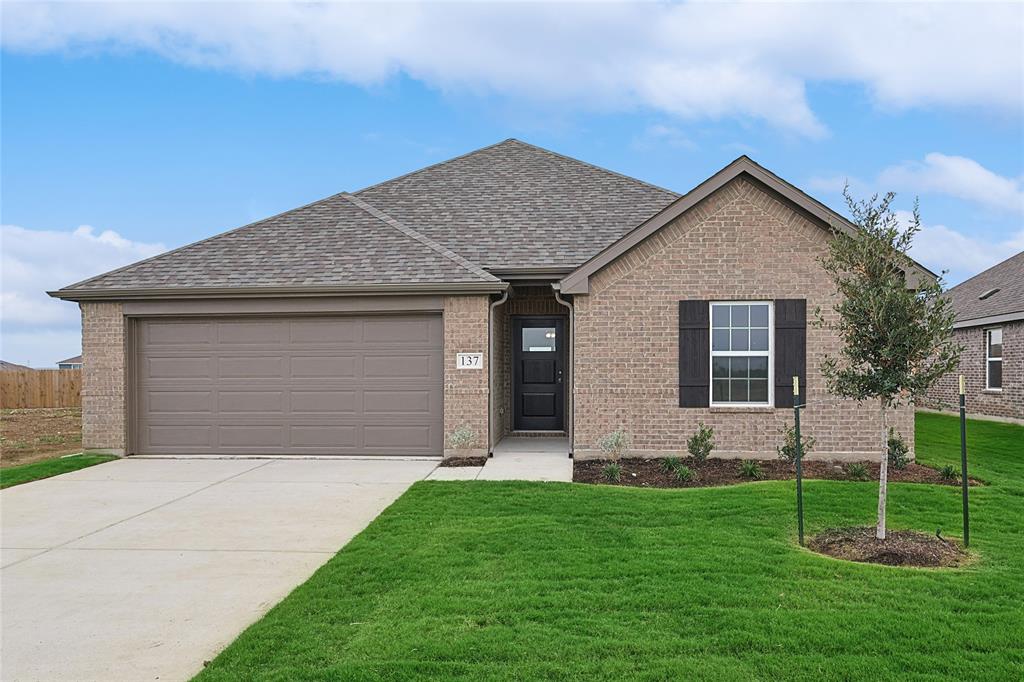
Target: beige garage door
(369, 385)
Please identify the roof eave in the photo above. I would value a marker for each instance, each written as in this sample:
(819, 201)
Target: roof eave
(989, 320)
(180, 293)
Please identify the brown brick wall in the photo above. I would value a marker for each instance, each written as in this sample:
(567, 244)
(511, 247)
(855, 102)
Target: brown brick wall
(1006, 403)
(103, 377)
(740, 243)
(465, 390)
(522, 301)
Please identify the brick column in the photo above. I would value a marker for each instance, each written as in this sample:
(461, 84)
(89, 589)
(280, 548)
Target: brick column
(103, 378)
(465, 390)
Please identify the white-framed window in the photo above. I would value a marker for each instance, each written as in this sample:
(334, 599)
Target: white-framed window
(994, 359)
(741, 353)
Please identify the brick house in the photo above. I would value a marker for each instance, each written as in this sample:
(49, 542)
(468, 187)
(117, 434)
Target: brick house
(990, 328)
(511, 292)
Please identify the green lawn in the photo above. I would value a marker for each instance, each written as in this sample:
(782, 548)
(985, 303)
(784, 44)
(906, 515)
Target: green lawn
(24, 473)
(499, 581)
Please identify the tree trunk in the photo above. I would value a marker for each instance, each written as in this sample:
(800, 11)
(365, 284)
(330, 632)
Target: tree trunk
(883, 477)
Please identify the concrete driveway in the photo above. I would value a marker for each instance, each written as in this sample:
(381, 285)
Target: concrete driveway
(141, 569)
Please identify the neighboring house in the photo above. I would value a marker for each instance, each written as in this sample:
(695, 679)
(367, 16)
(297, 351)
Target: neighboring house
(512, 291)
(11, 366)
(71, 363)
(990, 327)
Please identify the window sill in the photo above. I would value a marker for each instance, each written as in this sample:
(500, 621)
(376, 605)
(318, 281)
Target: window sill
(745, 409)
(993, 391)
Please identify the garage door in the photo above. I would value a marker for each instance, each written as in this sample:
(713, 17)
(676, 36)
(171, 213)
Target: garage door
(369, 385)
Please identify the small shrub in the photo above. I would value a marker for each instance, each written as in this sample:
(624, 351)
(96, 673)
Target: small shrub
(898, 451)
(949, 472)
(857, 471)
(684, 474)
(614, 444)
(787, 450)
(461, 438)
(751, 469)
(701, 443)
(670, 464)
(612, 472)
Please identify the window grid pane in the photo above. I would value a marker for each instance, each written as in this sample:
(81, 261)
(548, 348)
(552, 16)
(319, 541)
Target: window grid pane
(995, 374)
(736, 330)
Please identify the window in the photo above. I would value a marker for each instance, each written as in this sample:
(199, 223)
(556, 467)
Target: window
(741, 367)
(994, 359)
(538, 338)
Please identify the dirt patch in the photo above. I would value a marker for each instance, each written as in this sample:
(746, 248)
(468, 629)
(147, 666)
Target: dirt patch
(464, 461)
(30, 435)
(900, 547)
(651, 473)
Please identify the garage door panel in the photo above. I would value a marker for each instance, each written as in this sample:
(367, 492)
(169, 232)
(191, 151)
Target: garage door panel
(251, 332)
(178, 368)
(400, 401)
(340, 437)
(251, 402)
(251, 436)
(180, 436)
(177, 402)
(398, 365)
(388, 436)
(325, 366)
(334, 385)
(176, 333)
(323, 402)
(401, 331)
(254, 367)
(325, 331)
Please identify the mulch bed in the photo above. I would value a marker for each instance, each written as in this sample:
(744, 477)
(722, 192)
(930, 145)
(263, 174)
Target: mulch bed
(464, 461)
(900, 547)
(648, 473)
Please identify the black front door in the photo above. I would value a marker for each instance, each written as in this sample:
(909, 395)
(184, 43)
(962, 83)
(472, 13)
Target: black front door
(538, 373)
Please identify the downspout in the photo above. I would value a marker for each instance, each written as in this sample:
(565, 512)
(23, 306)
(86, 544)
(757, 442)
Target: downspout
(572, 363)
(490, 371)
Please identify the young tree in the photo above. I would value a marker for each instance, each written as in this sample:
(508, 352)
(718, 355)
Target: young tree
(897, 334)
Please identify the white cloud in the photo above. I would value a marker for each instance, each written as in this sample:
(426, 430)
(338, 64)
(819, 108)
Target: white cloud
(697, 60)
(661, 136)
(956, 176)
(37, 328)
(942, 248)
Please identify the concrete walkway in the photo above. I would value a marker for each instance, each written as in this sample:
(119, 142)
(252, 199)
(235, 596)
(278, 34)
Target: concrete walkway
(517, 459)
(142, 569)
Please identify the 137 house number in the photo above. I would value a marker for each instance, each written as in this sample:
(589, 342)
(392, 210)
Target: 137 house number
(469, 360)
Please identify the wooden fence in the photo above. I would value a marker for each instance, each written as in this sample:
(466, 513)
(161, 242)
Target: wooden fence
(26, 388)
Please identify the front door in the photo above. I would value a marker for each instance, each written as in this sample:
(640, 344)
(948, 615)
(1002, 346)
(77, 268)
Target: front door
(538, 373)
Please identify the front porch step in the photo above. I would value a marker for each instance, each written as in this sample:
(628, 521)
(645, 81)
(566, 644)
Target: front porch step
(549, 445)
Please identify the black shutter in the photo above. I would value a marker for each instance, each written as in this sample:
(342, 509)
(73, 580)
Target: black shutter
(790, 349)
(694, 354)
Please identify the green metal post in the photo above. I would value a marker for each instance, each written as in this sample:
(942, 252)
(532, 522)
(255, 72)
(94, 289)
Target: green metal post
(799, 461)
(963, 461)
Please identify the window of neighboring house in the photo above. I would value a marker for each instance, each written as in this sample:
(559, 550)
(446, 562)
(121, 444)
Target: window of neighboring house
(741, 353)
(994, 359)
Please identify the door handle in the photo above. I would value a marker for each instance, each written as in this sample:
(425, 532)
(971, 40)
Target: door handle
(559, 376)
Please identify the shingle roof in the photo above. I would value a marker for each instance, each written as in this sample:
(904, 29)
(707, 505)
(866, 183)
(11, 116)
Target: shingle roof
(1007, 277)
(507, 206)
(76, 360)
(513, 205)
(335, 241)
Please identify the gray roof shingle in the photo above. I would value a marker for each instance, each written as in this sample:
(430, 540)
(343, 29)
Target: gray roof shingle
(514, 205)
(1007, 277)
(331, 242)
(510, 205)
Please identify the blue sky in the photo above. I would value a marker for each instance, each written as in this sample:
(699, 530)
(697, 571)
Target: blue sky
(156, 129)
